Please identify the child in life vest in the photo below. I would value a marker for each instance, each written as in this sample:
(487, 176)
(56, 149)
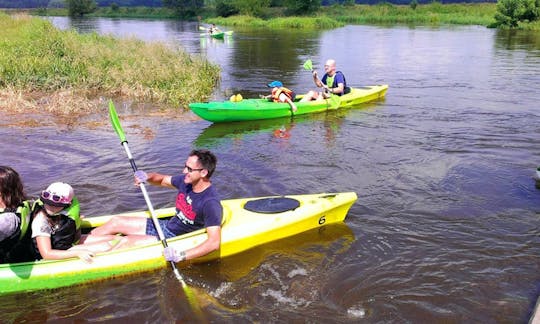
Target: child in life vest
(281, 94)
(14, 216)
(56, 232)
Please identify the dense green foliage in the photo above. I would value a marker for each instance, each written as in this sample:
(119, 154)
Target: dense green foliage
(60, 3)
(280, 22)
(251, 7)
(302, 7)
(510, 13)
(429, 14)
(225, 8)
(38, 57)
(80, 7)
(185, 8)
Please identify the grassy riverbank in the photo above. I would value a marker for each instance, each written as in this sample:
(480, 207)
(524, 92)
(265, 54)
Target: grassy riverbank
(321, 22)
(432, 14)
(428, 14)
(47, 69)
(328, 17)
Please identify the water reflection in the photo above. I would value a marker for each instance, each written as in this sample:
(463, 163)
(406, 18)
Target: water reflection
(279, 130)
(518, 39)
(446, 225)
(208, 42)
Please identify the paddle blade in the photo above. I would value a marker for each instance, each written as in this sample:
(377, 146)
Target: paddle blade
(115, 122)
(334, 101)
(308, 65)
(202, 28)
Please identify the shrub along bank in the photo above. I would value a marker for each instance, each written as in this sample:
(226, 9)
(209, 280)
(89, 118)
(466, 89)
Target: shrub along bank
(43, 67)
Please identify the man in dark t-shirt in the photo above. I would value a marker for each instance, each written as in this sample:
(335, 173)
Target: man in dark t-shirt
(333, 83)
(197, 206)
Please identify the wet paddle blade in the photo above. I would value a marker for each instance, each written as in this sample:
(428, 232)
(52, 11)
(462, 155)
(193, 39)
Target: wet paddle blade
(115, 122)
(334, 101)
(308, 65)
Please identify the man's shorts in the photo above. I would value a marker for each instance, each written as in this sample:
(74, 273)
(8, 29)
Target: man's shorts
(151, 229)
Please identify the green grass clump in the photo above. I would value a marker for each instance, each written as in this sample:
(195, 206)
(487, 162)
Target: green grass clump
(37, 57)
(318, 22)
(431, 14)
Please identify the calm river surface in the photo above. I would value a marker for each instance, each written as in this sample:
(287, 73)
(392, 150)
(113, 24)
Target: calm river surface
(446, 227)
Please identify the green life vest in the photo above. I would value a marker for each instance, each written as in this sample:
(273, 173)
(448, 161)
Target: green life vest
(330, 81)
(25, 213)
(18, 248)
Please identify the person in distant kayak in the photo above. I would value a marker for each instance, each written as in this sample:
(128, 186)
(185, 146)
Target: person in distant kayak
(281, 94)
(56, 232)
(14, 216)
(213, 29)
(197, 206)
(333, 83)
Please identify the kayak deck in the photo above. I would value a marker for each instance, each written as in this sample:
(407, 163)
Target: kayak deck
(255, 109)
(242, 229)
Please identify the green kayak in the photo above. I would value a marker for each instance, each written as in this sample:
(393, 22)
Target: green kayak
(253, 109)
(219, 35)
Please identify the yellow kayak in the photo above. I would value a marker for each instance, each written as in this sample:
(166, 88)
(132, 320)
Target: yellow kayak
(248, 222)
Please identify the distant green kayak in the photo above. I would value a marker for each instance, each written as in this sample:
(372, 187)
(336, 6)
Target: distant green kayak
(253, 109)
(220, 35)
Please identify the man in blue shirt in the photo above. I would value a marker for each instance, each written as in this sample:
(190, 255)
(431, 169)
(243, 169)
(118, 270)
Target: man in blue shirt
(197, 206)
(333, 83)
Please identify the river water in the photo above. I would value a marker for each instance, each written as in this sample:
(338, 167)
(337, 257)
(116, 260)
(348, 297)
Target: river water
(446, 227)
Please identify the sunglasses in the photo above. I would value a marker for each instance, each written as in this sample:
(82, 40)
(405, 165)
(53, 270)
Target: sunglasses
(191, 169)
(49, 196)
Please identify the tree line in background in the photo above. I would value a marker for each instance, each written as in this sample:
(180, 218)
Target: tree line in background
(509, 12)
(161, 3)
(62, 3)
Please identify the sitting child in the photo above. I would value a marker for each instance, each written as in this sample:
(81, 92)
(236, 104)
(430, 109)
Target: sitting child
(281, 94)
(56, 232)
(14, 218)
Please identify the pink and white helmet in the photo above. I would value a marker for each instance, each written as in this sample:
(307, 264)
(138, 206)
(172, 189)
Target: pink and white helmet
(58, 194)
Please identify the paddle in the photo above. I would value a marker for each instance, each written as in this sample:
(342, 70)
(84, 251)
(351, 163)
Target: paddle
(334, 101)
(118, 129)
(308, 65)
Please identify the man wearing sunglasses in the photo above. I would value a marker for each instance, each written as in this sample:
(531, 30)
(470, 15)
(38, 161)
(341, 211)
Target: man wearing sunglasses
(197, 206)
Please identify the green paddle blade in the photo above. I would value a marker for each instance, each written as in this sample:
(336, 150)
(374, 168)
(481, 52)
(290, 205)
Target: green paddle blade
(115, 122)
(308, 65)
(334, 101)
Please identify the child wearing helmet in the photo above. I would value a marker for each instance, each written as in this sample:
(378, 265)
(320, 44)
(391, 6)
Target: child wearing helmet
(56, 232)
(281, 94)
